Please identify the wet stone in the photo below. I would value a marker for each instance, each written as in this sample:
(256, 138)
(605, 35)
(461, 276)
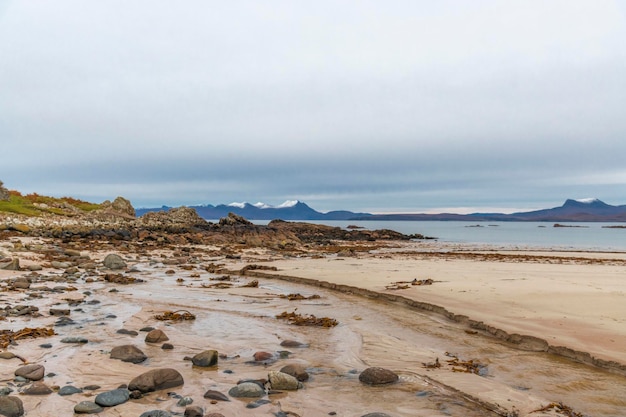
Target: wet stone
(378, 376)
(156, 413)
(74, 339)
(215, 395)
(194, 411)
(87, 407)
(257, 403)
(11, 406)
(207, 358)
(69, 390)
(33, 372)
(128, 332)
(185, 401)
(37, 388)
(247, 390)
(113, 397)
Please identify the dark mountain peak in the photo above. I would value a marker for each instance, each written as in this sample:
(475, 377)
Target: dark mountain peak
(585, 203)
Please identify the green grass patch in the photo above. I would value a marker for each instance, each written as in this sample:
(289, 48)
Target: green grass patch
(27, 205)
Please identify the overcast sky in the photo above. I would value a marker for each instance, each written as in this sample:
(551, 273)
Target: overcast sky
(380, 106)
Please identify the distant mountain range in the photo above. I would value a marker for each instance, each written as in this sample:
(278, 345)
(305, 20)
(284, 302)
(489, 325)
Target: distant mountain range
(584, 210)
(289, 210)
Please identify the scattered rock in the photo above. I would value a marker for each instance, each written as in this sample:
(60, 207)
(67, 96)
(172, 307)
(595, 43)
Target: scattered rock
(69, 390)
(263, 356)
(156, 336)
(87, 407)
(376, 415)
(37, 388)
(156, 413)
(293, 344)
(156, 379)
(59, 311)
(194, 411)
(128, 353)
(33, 372)
(113, 397)
(247, 390)
(128, 332)
(185, 401)
(167, 346)
(113, 261)
(11, 406)
(296, 370)
(74, 339)
(10, 265)
(215, 395)
(378, 376)
(205, 359)
(282, 381)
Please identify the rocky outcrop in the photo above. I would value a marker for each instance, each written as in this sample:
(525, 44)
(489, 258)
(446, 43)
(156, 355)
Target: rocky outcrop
(4, 193)
(173, 218)
(120, 205)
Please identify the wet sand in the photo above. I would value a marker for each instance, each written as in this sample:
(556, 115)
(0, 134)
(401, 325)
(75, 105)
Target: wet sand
(568, 303)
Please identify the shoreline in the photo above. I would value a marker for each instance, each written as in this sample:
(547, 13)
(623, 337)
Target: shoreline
(180, 274)
(519, 341)
(569, 337)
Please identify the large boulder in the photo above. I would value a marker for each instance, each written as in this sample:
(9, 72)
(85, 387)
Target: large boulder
(156, 379)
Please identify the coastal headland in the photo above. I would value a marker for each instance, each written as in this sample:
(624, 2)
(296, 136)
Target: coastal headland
(165, 314)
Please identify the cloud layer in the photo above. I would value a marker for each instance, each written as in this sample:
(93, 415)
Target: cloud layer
(401, 106)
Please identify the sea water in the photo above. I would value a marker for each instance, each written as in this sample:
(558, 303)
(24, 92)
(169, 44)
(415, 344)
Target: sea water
(587, 236)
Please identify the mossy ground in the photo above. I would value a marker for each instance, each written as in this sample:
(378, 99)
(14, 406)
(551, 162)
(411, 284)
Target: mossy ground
(36, 205)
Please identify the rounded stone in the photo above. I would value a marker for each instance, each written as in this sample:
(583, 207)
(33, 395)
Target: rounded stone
(113, 397)
(156, 413)
(205, 359)
(378, 376)
(296, 370)
(33, 372)
(69, 390)
(282, 381)
(113, 261)
(87, 407)
(156, 379)
(156, 336)
(37, 388)
(128, 353)
(247, 390)
(11, 406)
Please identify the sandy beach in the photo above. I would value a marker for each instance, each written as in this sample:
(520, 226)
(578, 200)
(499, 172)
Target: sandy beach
(491, 333)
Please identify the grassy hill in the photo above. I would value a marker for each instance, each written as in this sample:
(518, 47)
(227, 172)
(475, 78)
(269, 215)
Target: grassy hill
(38, 205)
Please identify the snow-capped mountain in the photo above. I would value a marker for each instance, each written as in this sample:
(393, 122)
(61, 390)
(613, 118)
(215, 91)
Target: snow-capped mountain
(573, 210)
(289, 210)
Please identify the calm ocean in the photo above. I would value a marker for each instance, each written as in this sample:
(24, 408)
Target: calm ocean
(583, 236)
